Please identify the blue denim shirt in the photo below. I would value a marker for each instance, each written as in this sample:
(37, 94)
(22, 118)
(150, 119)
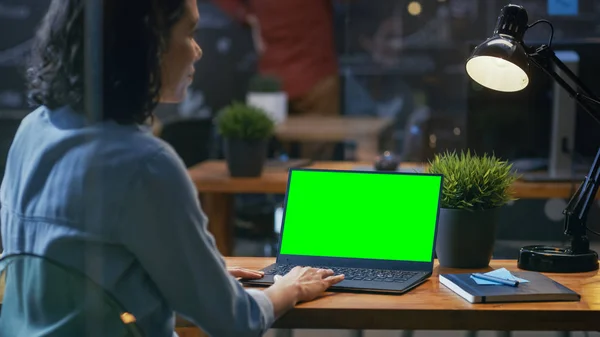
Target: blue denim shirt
(117, 203)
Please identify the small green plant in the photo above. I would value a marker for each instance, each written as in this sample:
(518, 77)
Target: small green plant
(472, 182)
(264, 83)
(241, 121)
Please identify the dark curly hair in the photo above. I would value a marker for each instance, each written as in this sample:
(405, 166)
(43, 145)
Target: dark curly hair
(135, 35)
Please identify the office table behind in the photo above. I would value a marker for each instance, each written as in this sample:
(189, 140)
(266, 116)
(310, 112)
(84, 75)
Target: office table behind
(216, 189)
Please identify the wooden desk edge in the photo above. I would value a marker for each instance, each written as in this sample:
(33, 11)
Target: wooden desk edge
(207, 181)
(476, 317)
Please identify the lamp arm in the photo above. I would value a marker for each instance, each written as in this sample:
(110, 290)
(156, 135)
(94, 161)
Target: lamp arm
(577, 209)
(543, 56)
(569, 73)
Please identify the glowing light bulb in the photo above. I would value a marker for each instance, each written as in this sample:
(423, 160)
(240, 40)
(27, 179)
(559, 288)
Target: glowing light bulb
(414, 8)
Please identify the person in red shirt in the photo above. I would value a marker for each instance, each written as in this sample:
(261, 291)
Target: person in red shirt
(295, 43)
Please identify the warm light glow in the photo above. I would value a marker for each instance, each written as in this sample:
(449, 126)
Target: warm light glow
(497, 74)
(414, 8)
(127, 318)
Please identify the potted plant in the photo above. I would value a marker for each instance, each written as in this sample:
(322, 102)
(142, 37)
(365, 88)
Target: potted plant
(265, 92)
(246, 131)
(474, 189)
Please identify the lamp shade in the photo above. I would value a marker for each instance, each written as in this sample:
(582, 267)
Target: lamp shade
(501, 62)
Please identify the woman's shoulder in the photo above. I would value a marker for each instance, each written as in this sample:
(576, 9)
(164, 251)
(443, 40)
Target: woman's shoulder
(70, 138)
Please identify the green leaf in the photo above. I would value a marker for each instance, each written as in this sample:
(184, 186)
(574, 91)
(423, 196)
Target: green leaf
(473, 182)
(241, 121)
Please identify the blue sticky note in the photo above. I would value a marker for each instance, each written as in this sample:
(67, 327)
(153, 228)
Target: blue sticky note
(501, 273)
(563, 7)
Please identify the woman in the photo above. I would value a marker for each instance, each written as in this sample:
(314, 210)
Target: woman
(114, 201)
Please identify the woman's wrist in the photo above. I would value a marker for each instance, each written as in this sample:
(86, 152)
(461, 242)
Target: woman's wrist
(284, 297)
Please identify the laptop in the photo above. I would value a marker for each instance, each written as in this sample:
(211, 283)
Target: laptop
(377, 228)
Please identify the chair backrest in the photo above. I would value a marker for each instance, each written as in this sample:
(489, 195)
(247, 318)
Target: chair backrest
(41, 297)
(192, 139)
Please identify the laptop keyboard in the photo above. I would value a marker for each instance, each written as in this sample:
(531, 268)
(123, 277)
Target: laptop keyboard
(358, 274)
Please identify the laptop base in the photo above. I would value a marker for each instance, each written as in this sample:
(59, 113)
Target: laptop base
(356, 285)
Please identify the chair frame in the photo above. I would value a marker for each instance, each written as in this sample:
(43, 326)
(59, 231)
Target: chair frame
(127, 318)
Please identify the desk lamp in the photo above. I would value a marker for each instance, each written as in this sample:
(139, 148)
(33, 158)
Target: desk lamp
(501, 63)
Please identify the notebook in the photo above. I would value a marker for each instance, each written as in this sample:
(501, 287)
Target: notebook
(377, 228)
(535, 287)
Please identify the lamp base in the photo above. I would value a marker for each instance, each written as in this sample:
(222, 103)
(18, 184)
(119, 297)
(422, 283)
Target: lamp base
(556, 260)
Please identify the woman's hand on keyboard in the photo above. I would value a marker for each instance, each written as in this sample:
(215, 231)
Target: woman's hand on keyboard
(301, 284)
(310, 282)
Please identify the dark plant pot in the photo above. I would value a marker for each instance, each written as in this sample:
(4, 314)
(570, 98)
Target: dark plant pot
(466, 239)
(245, 158)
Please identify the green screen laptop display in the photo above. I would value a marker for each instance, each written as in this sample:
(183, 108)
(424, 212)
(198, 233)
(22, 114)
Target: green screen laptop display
(361, 215)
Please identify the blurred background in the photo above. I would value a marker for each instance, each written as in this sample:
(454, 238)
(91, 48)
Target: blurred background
(398, 59)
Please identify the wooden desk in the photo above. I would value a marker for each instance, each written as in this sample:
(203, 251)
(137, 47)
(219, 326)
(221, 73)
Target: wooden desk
(365, 131)
(432, 306)
(217, 188)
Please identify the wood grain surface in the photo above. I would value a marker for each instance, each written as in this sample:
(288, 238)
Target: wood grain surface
(432, 306)
(212, 177)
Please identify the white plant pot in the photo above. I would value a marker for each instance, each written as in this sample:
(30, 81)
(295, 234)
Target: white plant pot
(274, 104)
